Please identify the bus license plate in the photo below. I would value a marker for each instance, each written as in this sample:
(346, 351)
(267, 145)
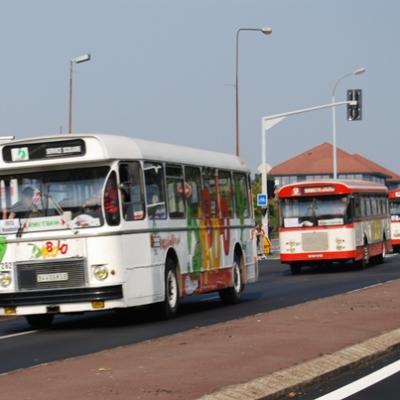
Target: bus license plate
(56, 277)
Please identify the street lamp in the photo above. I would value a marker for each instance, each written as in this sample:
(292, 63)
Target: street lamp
(77, 60)
(266, 31)
(357, 71)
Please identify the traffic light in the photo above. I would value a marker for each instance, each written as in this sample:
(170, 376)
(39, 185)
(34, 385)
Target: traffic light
(354, 112)
(271, 188)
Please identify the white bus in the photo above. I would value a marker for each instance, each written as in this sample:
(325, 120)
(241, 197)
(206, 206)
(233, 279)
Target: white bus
(326, 221)
(93, 222)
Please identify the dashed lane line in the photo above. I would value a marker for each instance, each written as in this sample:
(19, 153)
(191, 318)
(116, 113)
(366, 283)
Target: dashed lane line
(17, 334)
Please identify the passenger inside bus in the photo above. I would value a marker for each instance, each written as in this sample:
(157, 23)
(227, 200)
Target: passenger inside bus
(26, 207)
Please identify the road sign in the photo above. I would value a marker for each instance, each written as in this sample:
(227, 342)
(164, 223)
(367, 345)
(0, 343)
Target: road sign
(262, 200)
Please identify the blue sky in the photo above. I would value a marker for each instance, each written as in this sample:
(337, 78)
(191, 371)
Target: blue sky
(164, 70)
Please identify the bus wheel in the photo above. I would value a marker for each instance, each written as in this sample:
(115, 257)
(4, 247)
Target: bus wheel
(381, 258)
(363, 263)
(231, 295)
(295, 269)
(40, 321)
(169, 307)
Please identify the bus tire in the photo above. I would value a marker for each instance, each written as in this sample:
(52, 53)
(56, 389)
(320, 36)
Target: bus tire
(169, 307)
(232, 294)
(363, 263)
(295, 268)
(40, 321)
(381, 257)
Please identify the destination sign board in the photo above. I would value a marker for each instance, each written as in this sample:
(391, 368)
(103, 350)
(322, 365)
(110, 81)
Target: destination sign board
(43, 151)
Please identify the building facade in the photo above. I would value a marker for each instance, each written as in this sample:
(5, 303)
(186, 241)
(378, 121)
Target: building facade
(316, 164)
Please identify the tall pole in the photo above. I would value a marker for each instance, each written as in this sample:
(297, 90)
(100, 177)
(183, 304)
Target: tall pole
(334, 147)
(71, 63)
(334, 167)
(357, 71)
(77, 60)
(237, 94)
(264, 178)
(265, 31)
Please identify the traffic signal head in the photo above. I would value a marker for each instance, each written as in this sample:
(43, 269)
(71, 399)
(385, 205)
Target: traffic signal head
(354, 112)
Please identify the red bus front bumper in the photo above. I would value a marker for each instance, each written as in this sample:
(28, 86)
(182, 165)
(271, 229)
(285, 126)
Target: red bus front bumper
(325, 255)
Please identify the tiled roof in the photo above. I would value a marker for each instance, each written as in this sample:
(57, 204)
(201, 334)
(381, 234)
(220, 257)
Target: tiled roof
(318, 161)
(393, 176)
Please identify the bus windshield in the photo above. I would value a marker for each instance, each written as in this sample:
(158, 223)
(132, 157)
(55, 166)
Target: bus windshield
(395, 210)
(314, 211)
(52, 199)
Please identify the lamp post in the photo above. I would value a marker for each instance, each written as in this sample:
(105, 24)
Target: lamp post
(77, 60)
(265, 31)
(357, 71)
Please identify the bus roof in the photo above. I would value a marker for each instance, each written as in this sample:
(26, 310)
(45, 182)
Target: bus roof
(329, 188)
(63, 149)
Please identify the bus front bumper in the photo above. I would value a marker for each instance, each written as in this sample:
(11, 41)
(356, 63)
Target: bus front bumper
(61, 300)
(318, 256)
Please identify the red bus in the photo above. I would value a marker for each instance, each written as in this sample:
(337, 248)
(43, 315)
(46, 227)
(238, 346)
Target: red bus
(327, 221)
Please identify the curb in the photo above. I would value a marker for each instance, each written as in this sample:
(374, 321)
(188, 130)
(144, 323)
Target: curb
(280, 383)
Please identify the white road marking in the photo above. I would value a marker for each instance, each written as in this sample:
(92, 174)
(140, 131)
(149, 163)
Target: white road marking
(363, 383)
(370, 286)
(17, 334)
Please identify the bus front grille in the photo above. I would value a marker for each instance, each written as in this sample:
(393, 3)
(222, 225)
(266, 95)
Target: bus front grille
(60, 274)
(315, 241)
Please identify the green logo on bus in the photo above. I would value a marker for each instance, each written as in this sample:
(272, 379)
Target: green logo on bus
(3, 247)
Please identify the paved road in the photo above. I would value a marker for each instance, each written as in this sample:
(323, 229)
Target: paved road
(351, 385)
(77, 335)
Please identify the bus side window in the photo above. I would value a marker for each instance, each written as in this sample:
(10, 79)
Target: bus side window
(367, 206)
(374, 205)
(155, 197)
(362, 204)
(131, 187)
(209, 193)
(357, 207)
(193, 191)
(110, 201)
(380, 205)
(241, 195)
(175, 191)
(350, 210)
(225, 190)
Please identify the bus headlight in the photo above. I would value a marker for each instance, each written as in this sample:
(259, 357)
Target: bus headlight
(101, 272)
(5, 279)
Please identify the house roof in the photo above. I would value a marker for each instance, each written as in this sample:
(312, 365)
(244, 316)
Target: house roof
(318, 161)
(393, 176)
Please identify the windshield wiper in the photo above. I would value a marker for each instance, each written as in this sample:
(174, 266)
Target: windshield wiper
(59, 210)
(56, 204)
(22, 226)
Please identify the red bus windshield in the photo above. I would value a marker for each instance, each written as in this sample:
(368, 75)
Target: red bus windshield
(315, 211)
